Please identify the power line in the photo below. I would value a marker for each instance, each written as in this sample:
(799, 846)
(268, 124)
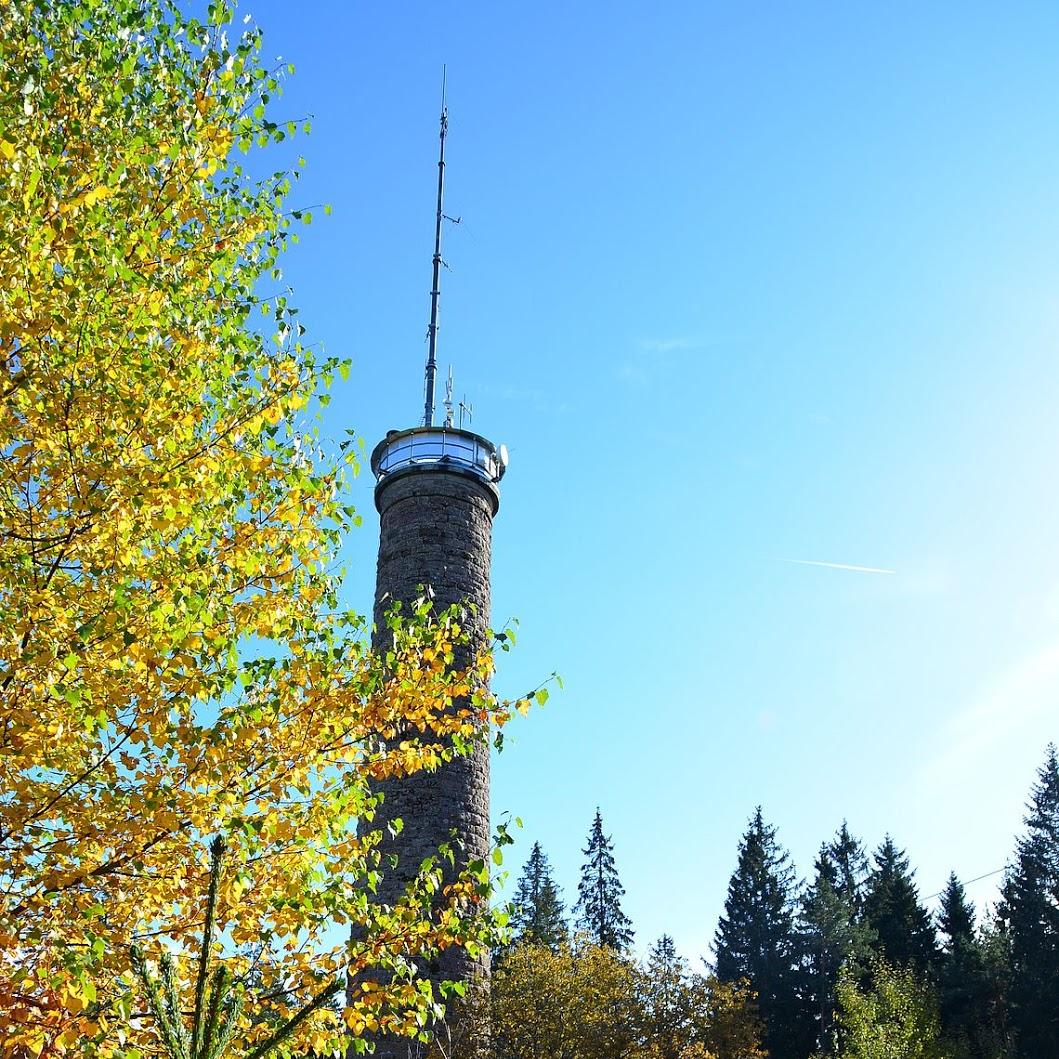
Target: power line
(978, 878)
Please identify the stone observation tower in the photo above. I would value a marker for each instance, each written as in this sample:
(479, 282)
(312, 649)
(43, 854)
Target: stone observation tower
(437, 494)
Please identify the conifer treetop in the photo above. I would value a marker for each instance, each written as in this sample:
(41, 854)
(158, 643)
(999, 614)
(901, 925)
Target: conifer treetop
(846, 853)
(893, 910)
(1028, 915)
(956, 918)
(756, 938)
(599, 893)
(537, 917)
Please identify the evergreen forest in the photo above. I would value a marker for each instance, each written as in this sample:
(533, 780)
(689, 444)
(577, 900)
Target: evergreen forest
(849, 963)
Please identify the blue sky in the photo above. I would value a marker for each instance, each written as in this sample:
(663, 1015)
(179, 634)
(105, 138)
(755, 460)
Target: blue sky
(737, 285)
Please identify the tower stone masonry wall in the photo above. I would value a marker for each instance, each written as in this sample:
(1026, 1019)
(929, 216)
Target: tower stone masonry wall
(436, 531)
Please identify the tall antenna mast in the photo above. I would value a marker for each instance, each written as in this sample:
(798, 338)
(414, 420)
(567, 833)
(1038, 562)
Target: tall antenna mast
(435, 292)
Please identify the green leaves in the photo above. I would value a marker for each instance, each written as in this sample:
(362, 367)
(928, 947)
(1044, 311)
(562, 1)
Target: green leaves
(896, 1014)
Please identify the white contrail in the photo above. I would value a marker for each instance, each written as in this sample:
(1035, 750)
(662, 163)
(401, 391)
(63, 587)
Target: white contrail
(839, 566)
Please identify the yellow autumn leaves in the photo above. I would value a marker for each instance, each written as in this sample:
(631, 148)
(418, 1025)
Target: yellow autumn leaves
(174, 658)
(585, 1001)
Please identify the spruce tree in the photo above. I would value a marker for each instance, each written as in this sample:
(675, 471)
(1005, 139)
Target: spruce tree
(599, 893)
(663, 962)
(667, 1000)
(832, 938)
(892, 909)
(1029, 914)
(959, 963)
(756, 938)
(537, 918)
(955, 916)
(971, 1007)
(850, 867)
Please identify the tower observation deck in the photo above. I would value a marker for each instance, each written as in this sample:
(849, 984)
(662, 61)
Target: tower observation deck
(444, 449)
